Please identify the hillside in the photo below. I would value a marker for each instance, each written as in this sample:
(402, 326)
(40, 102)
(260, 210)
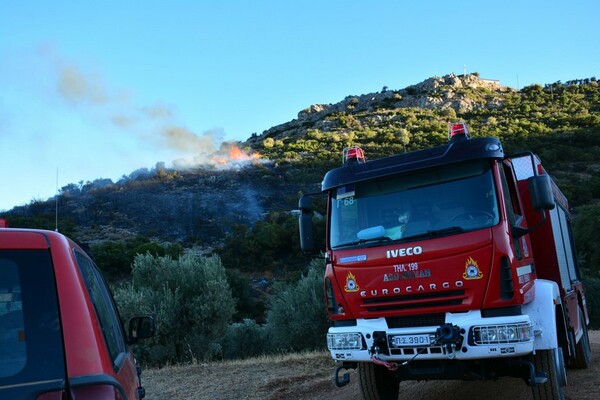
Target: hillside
(200, 208)
(559, 121)
(170, 205)
(372, 110)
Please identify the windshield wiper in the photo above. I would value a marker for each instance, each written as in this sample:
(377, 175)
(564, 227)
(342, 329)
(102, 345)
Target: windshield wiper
(438, 232)
(381, 239)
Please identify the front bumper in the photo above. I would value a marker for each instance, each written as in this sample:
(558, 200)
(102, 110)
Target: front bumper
(476, 338)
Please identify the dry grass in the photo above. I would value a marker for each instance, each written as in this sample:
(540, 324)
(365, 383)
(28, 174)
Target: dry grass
(309, 376)
(267, 377)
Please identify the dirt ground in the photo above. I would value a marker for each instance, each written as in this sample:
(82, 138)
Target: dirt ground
(310, 376)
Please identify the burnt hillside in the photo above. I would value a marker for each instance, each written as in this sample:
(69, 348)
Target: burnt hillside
(195, 207)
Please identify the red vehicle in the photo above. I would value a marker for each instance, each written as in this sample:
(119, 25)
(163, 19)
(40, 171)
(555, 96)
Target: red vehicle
(455, 262)
(60, 333)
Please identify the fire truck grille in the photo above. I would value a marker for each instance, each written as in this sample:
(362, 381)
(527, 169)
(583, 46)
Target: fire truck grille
(415, 301)
(416, 320)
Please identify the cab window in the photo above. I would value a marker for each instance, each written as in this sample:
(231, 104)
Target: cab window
(105, 309)
(31, 345)
(511, 198)
(454, 199)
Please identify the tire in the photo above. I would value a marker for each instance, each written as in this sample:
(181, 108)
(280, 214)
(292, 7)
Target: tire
(377, 383)
(552, 363)
(583, 353)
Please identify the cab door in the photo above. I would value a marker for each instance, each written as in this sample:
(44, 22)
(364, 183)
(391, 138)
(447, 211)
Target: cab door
(123, 366)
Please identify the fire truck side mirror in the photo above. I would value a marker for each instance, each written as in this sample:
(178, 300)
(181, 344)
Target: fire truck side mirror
(540, 190)
(307, 242)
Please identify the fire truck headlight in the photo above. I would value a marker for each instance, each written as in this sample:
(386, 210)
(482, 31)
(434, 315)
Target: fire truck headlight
(507, 333)
(344, 341)
(495, 334)
(487, 335)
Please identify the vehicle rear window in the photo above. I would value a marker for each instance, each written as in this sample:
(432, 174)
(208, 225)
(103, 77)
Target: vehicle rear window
(105, 308)
(31, 347)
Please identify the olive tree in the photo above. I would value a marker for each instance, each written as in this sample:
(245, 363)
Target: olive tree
(297, 317)
(190, 299)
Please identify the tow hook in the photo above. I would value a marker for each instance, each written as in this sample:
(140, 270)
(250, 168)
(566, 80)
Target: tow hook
(389, 365)
(345, 379)
(376, 360)
(450, 338)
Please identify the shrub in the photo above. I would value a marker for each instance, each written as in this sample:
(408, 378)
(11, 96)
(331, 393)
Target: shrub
(297, 319)
(585, 231)
(191, 301)
(244, 339)
(592, 297)
(268, 143)
(116, 257)
(270, 245)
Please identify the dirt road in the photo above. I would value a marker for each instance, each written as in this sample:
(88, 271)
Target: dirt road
(309, 377)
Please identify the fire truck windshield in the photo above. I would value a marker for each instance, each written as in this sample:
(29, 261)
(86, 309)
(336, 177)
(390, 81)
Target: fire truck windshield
(442, 201)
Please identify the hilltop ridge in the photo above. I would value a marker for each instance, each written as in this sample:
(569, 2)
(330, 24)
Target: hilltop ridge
(446, 92)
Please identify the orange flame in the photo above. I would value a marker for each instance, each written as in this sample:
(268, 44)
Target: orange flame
(235, 154)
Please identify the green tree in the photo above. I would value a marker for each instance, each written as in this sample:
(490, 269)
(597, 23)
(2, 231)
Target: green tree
(245, 339)
(115, 258)
(192, 303)
(585, 231)
(268, 143)
(297, 318)
(272, 244)
(403, 136)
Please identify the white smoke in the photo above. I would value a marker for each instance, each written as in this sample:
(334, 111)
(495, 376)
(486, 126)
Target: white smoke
(155, 125)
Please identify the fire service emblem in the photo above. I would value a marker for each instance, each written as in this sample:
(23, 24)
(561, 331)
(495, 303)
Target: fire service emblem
(351, 285)
(472, 270)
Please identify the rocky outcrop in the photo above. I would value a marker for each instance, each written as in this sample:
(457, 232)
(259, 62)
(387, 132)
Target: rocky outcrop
(460, 92)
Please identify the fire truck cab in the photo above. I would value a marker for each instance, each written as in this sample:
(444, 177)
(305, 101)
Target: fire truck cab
(454, 262)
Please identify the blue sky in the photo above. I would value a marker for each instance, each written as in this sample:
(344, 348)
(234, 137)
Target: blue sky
(100, 89)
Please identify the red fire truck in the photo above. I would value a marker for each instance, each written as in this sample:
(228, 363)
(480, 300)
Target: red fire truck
(454, 262)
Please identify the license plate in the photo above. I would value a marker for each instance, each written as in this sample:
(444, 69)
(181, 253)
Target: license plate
(411, 340)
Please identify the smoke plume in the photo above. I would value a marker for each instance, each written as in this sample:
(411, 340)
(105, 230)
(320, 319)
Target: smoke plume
(76, 88)
(154, 125)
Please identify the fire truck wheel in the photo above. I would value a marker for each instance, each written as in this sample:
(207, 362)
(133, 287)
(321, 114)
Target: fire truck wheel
(377, 383)
(552, 363)
(583, 354)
